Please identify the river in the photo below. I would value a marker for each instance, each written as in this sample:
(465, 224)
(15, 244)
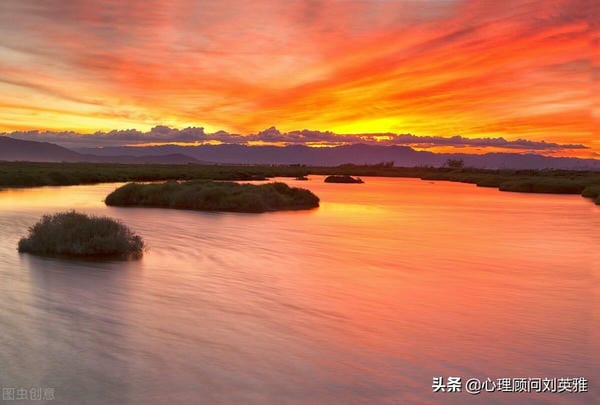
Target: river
(363, 300)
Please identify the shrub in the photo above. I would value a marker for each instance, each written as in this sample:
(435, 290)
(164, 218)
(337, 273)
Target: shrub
(72, 234)
(455, 163)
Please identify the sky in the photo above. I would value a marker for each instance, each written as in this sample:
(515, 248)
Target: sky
(518, 73)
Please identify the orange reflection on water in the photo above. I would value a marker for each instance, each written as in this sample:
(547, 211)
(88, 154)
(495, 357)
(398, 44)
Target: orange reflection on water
(55, 197)
(384, 286)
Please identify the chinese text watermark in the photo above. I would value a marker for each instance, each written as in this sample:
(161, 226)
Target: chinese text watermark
(27, 394)
(475, 386)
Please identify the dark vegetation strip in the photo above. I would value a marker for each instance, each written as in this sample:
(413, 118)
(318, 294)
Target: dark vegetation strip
(31, 174)
(586, 183)
(27, 174)
(203, 195)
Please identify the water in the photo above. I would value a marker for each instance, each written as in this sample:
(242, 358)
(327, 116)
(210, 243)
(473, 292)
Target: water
(364, 299)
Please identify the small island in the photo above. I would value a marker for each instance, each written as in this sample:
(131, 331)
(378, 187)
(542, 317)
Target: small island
(343, 179)
(75, 235)
(214, 196)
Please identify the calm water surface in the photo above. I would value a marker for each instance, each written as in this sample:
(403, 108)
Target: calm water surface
(363, 300)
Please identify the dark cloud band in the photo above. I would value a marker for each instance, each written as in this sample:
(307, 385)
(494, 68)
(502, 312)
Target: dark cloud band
(192, 135)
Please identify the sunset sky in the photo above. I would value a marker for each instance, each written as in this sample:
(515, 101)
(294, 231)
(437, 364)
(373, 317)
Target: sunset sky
(522, 69)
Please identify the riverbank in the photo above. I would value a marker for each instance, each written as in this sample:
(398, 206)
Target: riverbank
(29, 174)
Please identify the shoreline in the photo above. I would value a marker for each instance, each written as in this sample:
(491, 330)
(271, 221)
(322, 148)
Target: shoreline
(37, 174)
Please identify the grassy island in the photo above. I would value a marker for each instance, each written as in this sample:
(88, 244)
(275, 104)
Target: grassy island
(343, 179)
(75, 235)
(214, 196)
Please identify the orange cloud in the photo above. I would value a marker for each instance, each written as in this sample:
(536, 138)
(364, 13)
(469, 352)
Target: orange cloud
(477, 69)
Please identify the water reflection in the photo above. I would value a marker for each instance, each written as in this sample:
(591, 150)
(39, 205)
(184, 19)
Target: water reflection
(74, 322)
(386, 285)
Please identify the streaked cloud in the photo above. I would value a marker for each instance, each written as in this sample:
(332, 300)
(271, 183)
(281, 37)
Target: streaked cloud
(507, 70)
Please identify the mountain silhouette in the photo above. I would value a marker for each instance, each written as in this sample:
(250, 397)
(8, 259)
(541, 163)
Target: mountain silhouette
(356, 154)
(18, 150)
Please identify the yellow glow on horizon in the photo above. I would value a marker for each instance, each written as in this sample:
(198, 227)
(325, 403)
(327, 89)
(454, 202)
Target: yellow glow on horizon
(371, 126)
(474, 69)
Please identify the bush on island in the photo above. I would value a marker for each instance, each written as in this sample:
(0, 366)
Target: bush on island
(71, 234)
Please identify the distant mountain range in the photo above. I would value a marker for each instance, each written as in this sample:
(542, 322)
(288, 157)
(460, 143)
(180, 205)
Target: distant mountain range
(17, 150)
(357, 154)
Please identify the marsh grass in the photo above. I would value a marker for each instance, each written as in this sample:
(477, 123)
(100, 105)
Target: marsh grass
(214, 196)
(592, 191)
(76, 235)
(32, 174)
(28, 174)
(543, 185)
